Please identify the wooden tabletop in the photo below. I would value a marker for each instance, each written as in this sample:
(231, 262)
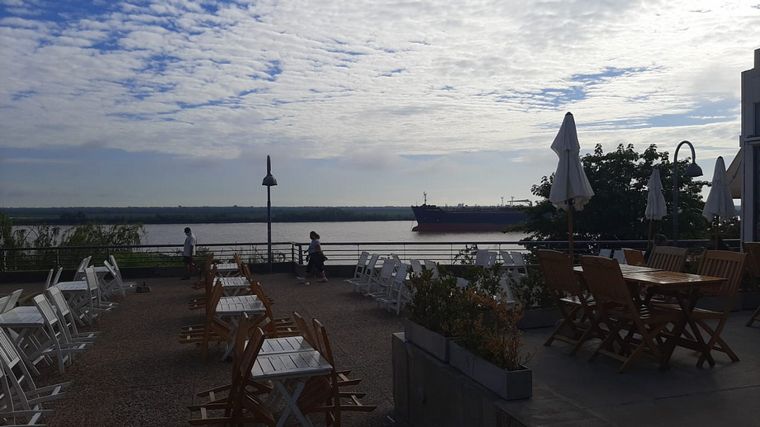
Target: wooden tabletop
(290, 365)
(284, 345)
(234, 282)
(673, 278)
(237, 305)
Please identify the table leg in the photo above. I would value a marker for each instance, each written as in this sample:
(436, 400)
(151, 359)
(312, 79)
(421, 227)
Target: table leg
(230, 344)
(291, 402)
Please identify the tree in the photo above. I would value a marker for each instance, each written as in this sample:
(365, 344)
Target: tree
(616, 212)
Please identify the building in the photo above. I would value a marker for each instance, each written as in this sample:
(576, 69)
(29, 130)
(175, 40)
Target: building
(750, 142)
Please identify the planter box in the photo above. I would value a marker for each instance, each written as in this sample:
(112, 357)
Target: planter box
(750, 299)
(432, 342)
(539, 318)
(509, 385)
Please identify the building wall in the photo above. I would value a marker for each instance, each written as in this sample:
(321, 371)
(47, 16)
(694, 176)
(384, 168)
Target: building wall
(750, 140)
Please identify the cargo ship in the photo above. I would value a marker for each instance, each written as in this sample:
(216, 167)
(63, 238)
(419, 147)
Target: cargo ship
(468, 218)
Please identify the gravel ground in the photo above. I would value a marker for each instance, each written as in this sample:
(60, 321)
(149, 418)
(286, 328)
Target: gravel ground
(138, 373)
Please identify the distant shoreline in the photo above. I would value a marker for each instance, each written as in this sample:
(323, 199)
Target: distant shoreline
(203, 215)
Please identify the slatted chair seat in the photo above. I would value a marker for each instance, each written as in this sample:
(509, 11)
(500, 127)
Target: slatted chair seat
(729, 265)
(623, 316)
(570, 296)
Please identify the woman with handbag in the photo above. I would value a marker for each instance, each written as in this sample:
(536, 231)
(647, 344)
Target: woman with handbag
(316, 259)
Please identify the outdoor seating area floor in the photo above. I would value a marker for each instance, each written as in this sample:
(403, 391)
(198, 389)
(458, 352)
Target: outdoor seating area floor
(137, 373)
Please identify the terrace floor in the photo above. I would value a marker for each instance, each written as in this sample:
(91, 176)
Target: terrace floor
(138, 374)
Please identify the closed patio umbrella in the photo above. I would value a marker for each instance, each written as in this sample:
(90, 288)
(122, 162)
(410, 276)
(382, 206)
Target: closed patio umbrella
(570, 189)
(719, 204)
(656, 208)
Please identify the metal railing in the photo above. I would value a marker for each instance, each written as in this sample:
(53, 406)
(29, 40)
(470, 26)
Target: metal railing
(338, 253)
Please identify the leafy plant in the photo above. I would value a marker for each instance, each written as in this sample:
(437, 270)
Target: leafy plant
(433, 303)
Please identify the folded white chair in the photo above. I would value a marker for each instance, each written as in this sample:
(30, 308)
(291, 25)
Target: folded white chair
(366, 276)
(380, 286)
(416, 266)
(619, 255)
(96, 299)
(23, 392)
(57, 276)
(432, 266)
(58, 341)
(12, 300)
(79, 272)
(519, 261)
(484, 258)
(361, 266)
(49, 279)
(124, 284)
(13, 401)
(67, 318)
(398, 294)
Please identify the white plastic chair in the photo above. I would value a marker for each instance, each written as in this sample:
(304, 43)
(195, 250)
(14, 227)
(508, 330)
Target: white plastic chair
(378, 284)
(416, 267)
(12, 300)
(519, 261)
(432, 266)
(49, 279)
(58, 341)
(606, 253)
(361, 265)
(369, 271)
(485, 258)
(66, 316)
(114, 285)
(619, 255)
(506, 259)
(398, 294)
(79, 272)
(57, 276)
(124, 284)
(23, 394)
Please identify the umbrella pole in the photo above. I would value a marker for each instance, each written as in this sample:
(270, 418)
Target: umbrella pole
(716, 224)
(650, 238)
(570, 242)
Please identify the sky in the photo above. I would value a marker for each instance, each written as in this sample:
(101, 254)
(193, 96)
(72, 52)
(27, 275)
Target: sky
(361, 102)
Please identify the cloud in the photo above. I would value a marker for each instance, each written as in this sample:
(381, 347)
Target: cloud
(368, 83)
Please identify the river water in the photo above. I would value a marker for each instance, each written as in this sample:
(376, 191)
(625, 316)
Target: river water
(333, 232)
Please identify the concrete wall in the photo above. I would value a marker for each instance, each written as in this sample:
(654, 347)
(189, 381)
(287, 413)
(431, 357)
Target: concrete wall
(427, 392)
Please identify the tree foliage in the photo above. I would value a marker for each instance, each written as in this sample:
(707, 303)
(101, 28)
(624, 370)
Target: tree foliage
(619, 179)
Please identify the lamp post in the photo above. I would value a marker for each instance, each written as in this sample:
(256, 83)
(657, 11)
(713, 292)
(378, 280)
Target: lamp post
(692, 171)
(269, 181)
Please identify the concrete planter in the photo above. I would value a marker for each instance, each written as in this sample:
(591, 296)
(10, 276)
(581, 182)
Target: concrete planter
(539, 318)
(432, 342)
(750, 299)
(509, 385)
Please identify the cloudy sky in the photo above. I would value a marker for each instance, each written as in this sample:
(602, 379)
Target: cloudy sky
(361, 102)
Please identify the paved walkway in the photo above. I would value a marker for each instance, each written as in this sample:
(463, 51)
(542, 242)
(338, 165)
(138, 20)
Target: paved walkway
(138, 374)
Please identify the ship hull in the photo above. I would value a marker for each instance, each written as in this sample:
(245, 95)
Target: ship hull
(431, 218)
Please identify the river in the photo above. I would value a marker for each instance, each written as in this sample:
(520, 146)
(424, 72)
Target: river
(373, 231)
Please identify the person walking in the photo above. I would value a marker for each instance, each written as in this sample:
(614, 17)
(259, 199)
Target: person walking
(187, 253)
(316, 259)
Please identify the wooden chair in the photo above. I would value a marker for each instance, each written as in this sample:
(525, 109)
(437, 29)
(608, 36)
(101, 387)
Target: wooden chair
(209, 279)
(616, 307)
(668, 258)
(214, 329)
(634, 257)
(240, 406)
(569, 295)
(323, 394)
(720, 264)
(752, 249)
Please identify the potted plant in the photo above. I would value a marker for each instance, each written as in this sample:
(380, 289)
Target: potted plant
(529, 289)
(488, 344)
(430, 313)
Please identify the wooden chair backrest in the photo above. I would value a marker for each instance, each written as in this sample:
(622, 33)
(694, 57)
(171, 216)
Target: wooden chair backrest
(242, 371)
(634, 257)
(726, 264)
(216, 294)
(752, 249)
(668, 258)
(558, 272)
(605, 281)
(304, 329)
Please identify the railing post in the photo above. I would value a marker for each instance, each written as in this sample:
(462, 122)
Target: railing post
(292, 252)
(300, 254)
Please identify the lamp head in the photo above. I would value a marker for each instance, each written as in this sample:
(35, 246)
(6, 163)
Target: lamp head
(693, 170)
(269, 180)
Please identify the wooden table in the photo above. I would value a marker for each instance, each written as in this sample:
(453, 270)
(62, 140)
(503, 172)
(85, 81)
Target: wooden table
(687, 289)
(234, 285)
(289, 373)
(233, 307)
(226, 268)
